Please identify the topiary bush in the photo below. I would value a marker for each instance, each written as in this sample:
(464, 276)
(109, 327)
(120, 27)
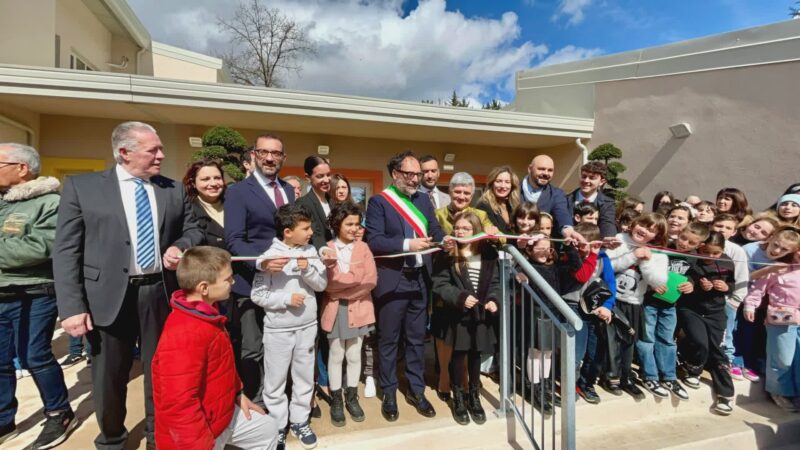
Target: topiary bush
(226, 145)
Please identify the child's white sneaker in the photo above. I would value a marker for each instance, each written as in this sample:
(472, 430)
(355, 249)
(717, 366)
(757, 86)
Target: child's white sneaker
(369, 387)
(723, 406)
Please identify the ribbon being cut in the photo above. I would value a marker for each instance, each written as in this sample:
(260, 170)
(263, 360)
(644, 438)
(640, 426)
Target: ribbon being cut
(532, 238)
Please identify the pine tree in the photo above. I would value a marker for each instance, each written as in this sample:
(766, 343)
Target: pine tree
(225, 145)
(615, 185)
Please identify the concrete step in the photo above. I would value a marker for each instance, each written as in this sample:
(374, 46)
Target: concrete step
(622, 423)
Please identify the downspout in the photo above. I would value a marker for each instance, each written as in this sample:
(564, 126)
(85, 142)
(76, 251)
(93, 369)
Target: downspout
(139, 61)
(584, 151)
(30, 133)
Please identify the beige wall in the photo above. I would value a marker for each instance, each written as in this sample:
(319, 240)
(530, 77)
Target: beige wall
(745, 131)
(167, 67)
(76, 137)
(27, 32)
(81, 32)
(10, 133)
(124, 46)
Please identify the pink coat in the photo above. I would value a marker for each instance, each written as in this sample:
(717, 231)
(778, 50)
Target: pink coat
(355, 286)
(782, 289)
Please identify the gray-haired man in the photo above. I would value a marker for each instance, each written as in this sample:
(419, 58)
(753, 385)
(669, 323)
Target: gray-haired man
(28, 313)
(117, 231)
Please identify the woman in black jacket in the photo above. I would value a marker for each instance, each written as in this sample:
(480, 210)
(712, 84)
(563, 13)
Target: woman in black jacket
(468, 281)
(318, 199)
(205, 188)
(501, 197)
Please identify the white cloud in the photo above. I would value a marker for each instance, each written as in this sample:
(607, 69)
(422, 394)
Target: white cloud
(570, 53)
(573, 9)
(370, 48)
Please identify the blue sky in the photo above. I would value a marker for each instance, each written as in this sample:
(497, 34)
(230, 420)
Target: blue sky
(425, 49)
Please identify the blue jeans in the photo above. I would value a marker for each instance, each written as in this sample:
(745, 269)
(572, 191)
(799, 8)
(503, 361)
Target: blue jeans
(76, 346)
(656, 344)
(26, 329)
(730, 325)
(783, 360)
(581, 336)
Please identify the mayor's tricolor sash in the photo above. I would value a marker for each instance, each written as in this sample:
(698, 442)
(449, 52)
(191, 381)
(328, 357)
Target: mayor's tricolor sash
(407, 210)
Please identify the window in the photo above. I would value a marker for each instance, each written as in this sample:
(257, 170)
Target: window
(76, 63)
(58, 51)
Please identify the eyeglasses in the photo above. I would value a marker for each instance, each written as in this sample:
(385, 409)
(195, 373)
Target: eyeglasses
(9, 163)
(263, 153)
(409, 175)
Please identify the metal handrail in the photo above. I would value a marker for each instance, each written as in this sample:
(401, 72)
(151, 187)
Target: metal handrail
(545, 288)
(566, 329)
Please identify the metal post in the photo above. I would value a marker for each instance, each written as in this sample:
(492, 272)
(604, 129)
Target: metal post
(568, 388)
(505, 341)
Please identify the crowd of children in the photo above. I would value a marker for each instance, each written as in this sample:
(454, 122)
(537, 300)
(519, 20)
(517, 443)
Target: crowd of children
(687, 287)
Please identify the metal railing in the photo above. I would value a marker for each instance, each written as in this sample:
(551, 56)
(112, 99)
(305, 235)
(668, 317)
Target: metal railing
(528, 320)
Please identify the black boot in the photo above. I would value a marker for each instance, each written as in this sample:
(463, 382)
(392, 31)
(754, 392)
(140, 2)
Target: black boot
(460, 413)
(337, 408)
(474, 404)
(543, 405)
(351, 403)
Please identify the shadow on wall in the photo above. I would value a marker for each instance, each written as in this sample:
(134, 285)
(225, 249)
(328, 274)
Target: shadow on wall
(661, 158)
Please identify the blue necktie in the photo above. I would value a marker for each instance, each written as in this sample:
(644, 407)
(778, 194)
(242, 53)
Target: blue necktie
(145, 239)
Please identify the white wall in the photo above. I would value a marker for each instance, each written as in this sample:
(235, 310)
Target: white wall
(746, 124)
(27, 32)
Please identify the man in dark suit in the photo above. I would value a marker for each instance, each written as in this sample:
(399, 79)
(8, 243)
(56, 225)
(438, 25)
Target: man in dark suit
(536, 188)
(250, 207)
(117, 231)
(593, 178)
(394, 225)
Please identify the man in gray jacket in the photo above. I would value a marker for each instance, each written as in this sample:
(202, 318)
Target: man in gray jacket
(28, 313)
(117, 232)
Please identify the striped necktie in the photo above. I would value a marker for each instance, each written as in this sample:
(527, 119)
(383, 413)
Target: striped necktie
(145, 239)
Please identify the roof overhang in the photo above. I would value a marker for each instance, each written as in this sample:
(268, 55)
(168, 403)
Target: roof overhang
(128, 97)
(120, 18)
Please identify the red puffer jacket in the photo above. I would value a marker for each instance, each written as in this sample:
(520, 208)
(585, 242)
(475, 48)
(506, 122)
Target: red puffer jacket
(194, 378)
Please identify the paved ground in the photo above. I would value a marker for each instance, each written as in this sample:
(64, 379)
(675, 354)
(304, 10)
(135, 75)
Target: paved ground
(78, 379)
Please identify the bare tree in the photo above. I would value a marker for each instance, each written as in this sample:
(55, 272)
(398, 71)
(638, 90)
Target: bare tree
(266, 45)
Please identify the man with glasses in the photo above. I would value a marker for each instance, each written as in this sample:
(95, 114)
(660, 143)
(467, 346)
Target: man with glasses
(250, 207)
(401, 219)
(28, 310)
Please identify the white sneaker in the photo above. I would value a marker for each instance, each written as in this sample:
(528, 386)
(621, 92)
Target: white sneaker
(369, 387)
(22, 373)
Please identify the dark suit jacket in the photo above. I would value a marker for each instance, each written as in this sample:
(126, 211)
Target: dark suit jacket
(213, 233)
(607, 209)
(319, 221)
(92, 249)
(249, 226)
(385, 235)
(554, 202)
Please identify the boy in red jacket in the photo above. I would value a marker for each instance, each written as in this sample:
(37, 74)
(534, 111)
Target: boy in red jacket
(196, 391)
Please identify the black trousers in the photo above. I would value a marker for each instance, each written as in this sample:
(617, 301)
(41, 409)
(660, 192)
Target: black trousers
(403, 312)
(247, 333)
(621, 357)
(703, 347)
(143, 313)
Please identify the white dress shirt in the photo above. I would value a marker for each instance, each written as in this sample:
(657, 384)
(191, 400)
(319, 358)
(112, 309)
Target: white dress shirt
(344, 253)
(127, 188)
(266, 183)
(579, 198)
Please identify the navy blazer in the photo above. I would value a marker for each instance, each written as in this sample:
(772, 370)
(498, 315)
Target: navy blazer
(249, 226)
(385, 235)
(607, 216)
(553, 201)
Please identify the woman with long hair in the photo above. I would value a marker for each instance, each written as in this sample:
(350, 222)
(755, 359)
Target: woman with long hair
(204, 182)
(733, 201)
(501, 197)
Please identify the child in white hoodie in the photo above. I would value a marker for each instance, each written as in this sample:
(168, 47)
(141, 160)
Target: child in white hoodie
(636, 267)
(290, 273)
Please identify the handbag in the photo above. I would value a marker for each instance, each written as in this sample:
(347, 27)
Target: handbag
(783, 315)
(594, 296)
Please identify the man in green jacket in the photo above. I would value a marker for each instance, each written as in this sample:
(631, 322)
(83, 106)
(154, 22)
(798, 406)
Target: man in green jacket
(28, 311)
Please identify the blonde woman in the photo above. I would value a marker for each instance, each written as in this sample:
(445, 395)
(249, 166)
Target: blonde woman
(501, 197)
